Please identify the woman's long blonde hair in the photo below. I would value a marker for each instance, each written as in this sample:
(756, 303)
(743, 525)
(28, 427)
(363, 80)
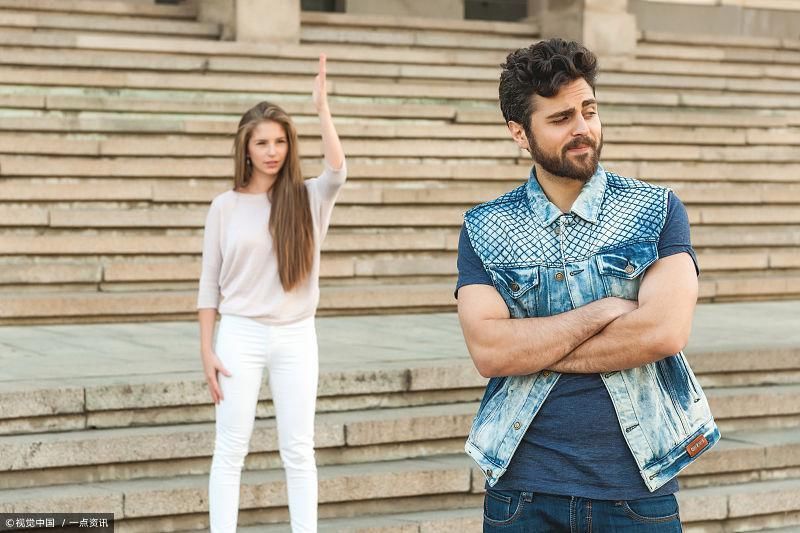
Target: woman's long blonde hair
(290, 222)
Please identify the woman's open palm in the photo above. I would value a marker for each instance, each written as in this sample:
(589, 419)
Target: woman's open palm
(320, 92)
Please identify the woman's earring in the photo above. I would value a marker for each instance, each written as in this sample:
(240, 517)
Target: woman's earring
(248, 162)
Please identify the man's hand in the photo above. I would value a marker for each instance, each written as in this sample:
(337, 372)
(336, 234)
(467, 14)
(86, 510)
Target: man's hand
(658, 328)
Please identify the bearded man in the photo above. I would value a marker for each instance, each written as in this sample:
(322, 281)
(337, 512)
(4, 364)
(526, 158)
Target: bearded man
(576, 293)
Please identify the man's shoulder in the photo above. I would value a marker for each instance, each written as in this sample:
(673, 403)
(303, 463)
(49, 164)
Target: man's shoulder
(616, 181)
(502, 203)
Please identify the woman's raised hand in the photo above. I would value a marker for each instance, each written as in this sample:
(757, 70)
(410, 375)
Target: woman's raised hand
(320, 92)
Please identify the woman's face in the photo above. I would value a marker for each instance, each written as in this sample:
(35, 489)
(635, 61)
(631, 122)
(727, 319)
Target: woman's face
(267, 148)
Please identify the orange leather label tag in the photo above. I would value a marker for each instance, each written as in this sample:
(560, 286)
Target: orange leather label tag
(697, 445)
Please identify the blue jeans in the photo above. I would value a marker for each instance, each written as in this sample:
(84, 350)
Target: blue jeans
(528, 512)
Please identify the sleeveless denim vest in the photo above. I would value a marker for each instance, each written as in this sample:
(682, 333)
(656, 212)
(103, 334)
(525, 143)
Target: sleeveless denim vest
(544, 262)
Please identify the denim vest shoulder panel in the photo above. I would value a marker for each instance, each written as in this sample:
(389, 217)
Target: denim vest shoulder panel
(542, 263)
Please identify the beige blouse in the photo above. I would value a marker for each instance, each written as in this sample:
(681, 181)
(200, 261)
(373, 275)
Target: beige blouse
(240, 269)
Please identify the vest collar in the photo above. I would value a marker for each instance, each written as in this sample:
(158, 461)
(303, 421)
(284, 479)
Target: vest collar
(587, 204)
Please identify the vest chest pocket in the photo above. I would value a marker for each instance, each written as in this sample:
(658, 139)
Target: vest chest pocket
(518, 287)
(621, 268)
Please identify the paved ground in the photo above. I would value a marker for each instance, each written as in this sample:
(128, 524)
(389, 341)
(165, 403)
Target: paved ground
(75, 354)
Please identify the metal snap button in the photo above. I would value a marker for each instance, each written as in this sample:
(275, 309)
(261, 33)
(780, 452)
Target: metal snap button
(489, 472)
(559, 276)
(629, 269)
(517, 425)
(557, 231)
(514, 287)
(546, 373)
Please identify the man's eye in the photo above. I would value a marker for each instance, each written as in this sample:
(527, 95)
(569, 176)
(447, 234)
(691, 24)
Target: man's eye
(559, 120)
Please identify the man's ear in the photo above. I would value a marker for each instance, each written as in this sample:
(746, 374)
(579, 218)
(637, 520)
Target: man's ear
(518, 134)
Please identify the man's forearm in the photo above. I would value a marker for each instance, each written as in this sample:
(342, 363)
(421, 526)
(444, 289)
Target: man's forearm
(529, 345)
(630, 341)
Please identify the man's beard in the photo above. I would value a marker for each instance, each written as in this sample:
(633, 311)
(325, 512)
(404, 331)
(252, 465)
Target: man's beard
(560, 165)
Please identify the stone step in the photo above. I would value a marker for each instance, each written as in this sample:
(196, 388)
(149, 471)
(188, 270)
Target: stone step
(137, 243)
(646, 50)
(113, 7)
(445, 521)
(471, 91)
(652, 117)
(346, 437)
(447, 481)
(87, 23)
(116, 123)
(734, 409)
(359, 215)
(170, 300)
(715, 244)
(691, 173)
(447, 476)
(677, 82)
(423, 38)
(360, 191)
(719, 40)
(340, 438)
(86, 383)
(36, 144)
(368, 22)
(387, 57)
(700, 68)
(722, 80)
(389, 168)
(206, 103)
(375, 264)
(207, 48)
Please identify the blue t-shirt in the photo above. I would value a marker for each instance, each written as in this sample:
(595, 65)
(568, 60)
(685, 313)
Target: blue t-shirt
(574, 446)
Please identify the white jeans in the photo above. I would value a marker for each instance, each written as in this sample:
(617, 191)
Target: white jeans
(289, 352)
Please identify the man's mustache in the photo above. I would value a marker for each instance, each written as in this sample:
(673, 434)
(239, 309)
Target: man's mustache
(578, 142)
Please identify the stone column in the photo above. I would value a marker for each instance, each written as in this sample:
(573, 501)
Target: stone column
(222, 12)
(603, 26)
(260, 21)
(276, 21)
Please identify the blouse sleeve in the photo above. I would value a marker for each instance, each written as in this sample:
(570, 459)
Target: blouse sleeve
(208, 293)
(330, 181)
(324, 190)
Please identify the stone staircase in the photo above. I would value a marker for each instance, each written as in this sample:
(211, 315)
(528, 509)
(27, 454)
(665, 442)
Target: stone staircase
(116, 121)
(393, 413)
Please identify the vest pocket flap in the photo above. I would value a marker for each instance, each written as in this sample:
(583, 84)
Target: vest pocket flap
(515, 281)
(628, 261)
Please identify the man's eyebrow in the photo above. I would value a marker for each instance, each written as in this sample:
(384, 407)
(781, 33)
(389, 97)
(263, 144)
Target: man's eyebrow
(570, 112)
(564, 113)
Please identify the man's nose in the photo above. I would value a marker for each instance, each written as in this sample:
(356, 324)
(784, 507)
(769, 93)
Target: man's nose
(581, 127)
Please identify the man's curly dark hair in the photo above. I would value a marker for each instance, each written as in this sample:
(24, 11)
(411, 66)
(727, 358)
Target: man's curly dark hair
(542, 68)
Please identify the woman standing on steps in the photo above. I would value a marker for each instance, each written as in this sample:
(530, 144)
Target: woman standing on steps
(261, 253)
